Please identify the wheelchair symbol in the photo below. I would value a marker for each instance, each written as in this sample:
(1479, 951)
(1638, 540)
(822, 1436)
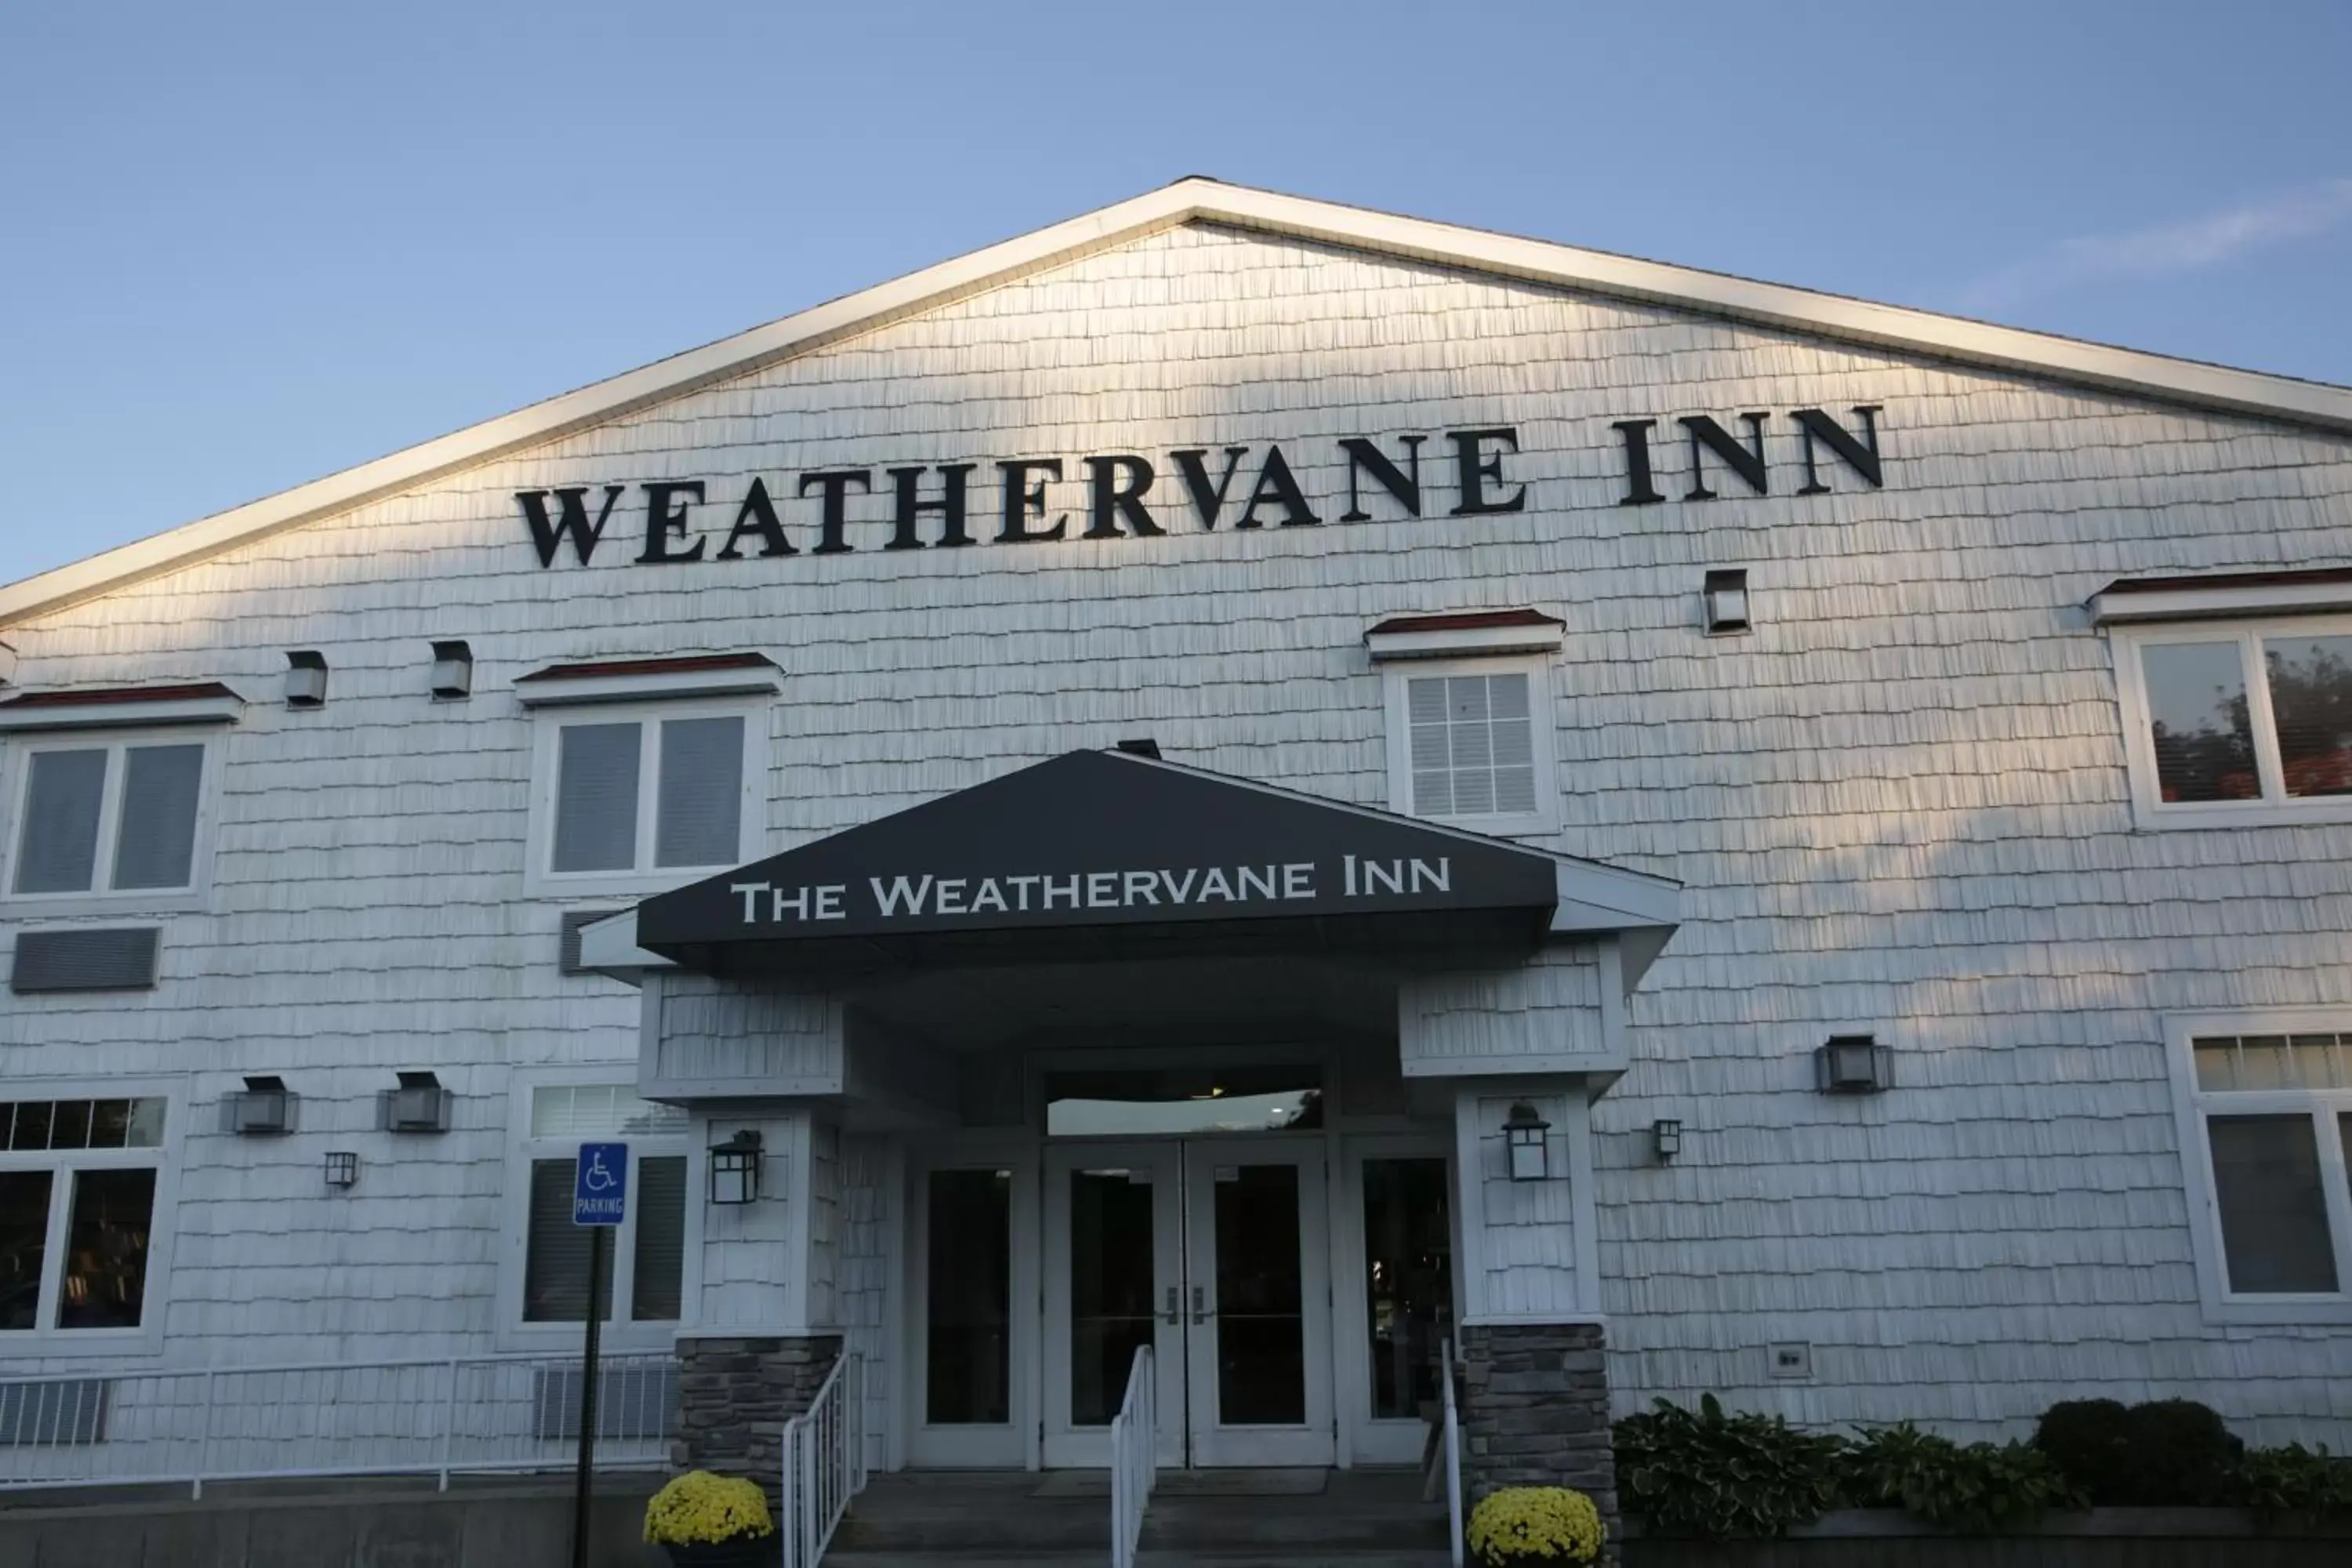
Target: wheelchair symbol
(597, 1179)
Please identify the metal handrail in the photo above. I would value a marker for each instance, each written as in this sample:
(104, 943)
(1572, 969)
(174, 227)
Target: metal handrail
(438, 1416)
(1452, 1440)
(1134, 1458)
(825, 1462)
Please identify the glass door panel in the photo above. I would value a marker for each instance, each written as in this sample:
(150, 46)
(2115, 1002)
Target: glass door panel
(1113, 1273)
(1257, 1318)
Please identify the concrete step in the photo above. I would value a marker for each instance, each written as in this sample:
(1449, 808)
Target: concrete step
(1231, 1519)
(837, 1558)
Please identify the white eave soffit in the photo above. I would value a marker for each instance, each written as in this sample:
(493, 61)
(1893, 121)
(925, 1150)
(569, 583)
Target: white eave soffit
(212, 704)
(2222, 597)
(561, 687)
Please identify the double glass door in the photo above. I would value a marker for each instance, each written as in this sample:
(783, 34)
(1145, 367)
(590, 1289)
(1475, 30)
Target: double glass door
(1214, 1253)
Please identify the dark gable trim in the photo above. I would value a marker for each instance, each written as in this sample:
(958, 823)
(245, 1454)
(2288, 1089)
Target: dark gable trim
(2227, 580)
(691, 664)
(199, 691)
(1466, 620)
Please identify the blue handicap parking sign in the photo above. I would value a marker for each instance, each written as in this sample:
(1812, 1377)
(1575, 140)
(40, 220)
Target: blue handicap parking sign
(600, 1184)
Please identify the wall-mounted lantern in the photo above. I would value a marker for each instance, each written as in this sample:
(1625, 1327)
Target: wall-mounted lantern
(1727, 601)
(735, 1169)
(1526, 1133)
(419, 1105)
(452, 671)
(264, 1108)
(1853, 1064)
(1665, 1138)
(306, 680)
(342, 1169)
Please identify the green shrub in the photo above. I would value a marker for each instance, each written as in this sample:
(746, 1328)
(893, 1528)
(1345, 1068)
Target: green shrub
(2181, 1456)
(1977, 1486)
(1704, 1473)
(2085, 1438)
(2293, 1480)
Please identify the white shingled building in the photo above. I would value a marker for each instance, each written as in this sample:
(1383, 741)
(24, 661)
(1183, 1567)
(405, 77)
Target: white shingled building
(1236, 777)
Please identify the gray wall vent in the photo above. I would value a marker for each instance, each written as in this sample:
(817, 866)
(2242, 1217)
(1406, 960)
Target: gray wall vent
(79, 960)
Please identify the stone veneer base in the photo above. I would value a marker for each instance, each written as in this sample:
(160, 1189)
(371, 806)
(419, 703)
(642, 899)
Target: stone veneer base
(734, 1395)
(1534, 1413)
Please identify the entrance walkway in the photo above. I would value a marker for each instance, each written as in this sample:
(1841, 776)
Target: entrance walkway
(1228, 1518)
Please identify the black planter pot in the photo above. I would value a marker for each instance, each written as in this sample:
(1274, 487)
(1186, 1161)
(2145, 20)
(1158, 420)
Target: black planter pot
(743, 1552)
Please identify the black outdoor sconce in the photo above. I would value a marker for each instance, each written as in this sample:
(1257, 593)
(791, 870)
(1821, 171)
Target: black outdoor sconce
(1527, 1134)
(735, 1169)
(1665, 1139)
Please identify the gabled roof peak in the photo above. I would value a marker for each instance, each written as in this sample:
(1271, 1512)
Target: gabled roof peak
(1199, 198)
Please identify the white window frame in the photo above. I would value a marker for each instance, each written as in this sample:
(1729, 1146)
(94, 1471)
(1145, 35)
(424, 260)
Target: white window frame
(1543, 740)
(2191, 1105)
(620, 1332)
(15, 787)
(2149, 809)
(644, 878)
(147, 1340)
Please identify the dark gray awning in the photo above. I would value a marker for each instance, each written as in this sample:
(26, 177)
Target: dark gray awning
(1107, 854)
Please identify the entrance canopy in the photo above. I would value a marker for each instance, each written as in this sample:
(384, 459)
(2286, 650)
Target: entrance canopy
(1111, 855)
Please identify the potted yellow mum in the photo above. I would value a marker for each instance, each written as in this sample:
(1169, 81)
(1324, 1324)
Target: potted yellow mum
(704, 1521)
(1520, 1527)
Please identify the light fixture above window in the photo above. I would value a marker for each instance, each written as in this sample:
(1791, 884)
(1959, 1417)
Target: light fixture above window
(342, 1169)
(264, 1108)
(306, 680)
(1853, 1064)
(452, 671)
(1527, 1135)
(1726, 595)
(735, 1169)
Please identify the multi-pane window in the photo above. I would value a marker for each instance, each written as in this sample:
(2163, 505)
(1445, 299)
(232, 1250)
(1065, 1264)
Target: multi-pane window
(1471, 744)
(646, 1282)
(105, 818)
(2277, 1115)
(640, 796)
(2253, 718)
(77, 1212)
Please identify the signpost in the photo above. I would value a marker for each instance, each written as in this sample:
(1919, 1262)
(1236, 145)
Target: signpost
(600, 1200)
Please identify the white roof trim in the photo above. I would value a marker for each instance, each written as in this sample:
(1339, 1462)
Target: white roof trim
(122, 715)
(1202, 200)
(2220, 602)
(1465, 642)
(557, 692)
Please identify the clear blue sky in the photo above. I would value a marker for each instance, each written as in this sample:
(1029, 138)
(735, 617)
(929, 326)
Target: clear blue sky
(242, 248)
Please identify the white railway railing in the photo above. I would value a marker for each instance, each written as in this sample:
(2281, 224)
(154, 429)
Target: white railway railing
(1451, 1438)
(1134, 1458)
(441, 1417)
(825, 1462)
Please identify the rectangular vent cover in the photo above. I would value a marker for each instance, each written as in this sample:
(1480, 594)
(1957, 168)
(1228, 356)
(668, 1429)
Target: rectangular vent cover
(84, 961)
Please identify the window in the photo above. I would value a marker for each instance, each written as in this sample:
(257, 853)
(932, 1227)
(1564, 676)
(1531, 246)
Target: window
(2272, 1113)
(2245, 723)
(77, 1182)
(108, 818)
(647, 797)
(1470, 743)
(647, 1273)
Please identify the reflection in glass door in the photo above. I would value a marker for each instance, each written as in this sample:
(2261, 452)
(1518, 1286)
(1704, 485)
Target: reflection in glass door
(1113, 1268)
(1257, 1303)
(1213, 1254)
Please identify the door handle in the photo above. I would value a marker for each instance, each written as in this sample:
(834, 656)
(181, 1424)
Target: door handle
(1202, 1311)
(1175, 1312)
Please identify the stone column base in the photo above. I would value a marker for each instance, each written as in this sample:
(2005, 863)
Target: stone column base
(1534, 1413)
(734, 1395)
